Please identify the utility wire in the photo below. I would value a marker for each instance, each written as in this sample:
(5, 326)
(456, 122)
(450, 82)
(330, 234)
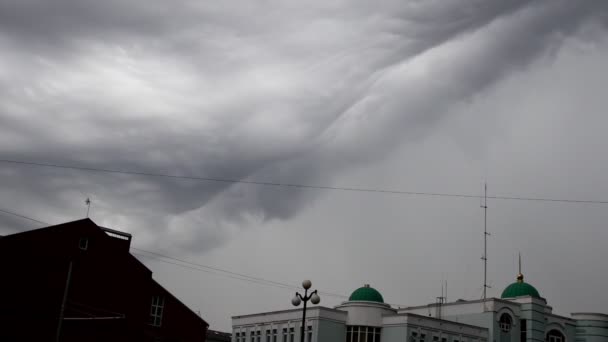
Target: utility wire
(244, 278)
(301, 186)
(198, 267)
(252, 279)
(240, 275)
(211, 272)
(21, 216)
(205, 268)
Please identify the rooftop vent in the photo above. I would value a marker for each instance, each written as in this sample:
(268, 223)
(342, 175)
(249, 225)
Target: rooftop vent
(117, 234)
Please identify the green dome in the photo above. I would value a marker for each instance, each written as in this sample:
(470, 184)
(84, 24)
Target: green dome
(366, 293)
(520, 289)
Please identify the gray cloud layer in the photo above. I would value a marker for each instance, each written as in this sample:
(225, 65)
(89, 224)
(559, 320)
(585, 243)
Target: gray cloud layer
(272, 91)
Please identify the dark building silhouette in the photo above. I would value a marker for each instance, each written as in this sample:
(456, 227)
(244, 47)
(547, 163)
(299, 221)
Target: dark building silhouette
(105, 292)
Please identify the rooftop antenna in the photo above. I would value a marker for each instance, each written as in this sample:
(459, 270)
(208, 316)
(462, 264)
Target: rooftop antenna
(439, 301)
(484, 206)
(88, 203)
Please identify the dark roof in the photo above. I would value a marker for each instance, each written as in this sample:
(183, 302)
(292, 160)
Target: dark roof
(77, 224)
(89, 224)
(213, 335)
(179, 301)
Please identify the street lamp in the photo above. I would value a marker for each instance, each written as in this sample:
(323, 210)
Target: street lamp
(298, 298)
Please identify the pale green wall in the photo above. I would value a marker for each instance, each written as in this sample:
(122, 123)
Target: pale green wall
(395, 334)
(404, 334)
(329, 331)
(482, 319)
(534, 314)
(591, 331)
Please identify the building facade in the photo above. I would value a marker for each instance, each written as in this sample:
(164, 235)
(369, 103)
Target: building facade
(520, 315)
(79, 281)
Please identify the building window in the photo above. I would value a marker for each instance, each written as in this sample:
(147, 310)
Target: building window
(284, 334)
(274, 335)
(259, 335)
(267, 335)
(444, 339)
(362, 334)
(252, 336)
(83, 244)
(505, 323)
(555, 336)
(523, 326)
(292, 334)
(156, 310)
(237, 337)
(309, 334)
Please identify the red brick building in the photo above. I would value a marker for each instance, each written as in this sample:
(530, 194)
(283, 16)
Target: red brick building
(105, 292)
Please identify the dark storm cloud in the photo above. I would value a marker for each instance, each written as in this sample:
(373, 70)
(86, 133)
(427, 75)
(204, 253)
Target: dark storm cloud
(295, 93)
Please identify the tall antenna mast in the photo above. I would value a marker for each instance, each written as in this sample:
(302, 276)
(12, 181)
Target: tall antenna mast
(439, 302)
(485, 239)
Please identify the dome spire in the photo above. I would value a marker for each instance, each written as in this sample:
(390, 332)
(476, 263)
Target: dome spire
(520, 276)
(520, 288)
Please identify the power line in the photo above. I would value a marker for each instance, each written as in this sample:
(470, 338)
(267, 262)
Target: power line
(301, 186)
(21, 216)
(247, 277)
(210, 267)
(210, 272)
(197, 266)
(204, 268)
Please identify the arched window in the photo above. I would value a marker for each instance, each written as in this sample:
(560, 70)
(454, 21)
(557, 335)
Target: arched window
(555, 336)
(505, 322)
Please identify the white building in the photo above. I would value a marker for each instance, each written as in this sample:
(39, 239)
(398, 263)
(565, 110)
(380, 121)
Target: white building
(520, 315)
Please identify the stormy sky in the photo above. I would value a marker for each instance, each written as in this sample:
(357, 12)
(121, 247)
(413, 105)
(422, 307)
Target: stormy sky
(422, 96)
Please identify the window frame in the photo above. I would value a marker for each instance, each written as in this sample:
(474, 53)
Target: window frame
(83, 243)
(363, 333)
(523, 330)
(157, 307)
(555, 335)
(505, 323)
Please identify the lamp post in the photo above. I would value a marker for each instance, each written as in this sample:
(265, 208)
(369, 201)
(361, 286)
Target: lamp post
(298, 298)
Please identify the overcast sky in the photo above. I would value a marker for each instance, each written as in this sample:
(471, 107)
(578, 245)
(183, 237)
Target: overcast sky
(425, 96)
